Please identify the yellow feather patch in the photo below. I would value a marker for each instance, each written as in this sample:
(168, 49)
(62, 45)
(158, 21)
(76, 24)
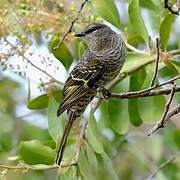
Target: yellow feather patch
(83, 80)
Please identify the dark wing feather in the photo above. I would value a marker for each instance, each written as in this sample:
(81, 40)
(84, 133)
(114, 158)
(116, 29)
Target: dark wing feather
(78, 83)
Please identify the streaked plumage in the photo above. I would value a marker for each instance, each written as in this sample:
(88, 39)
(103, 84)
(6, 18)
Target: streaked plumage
(100, 63)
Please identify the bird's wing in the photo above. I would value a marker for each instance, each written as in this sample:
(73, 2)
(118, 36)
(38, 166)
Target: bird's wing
(80, 80)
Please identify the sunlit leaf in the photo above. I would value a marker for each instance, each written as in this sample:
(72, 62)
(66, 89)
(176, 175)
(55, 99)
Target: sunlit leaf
(134, 59)
(62, 53)
(148, 4)
(137, 21)
(34, 152)
(108, 10)
(55, 126)
(94, 137)
(165, 30)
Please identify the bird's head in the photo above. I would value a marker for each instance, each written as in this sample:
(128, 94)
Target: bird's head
(96, 35)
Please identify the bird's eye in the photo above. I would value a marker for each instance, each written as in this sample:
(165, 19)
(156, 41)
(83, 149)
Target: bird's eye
(92, 29)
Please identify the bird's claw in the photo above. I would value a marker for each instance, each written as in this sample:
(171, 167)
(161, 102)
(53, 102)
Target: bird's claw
(106, 93)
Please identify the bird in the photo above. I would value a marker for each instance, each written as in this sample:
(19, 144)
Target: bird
(101, 62)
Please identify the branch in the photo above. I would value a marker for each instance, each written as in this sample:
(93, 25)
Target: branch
(156, 65)
(128, 72)
(166, 5)
(32, 64)
(163, 165)
(132, 48)
(140, 94)
(72, 24)
(33, 167)
(173, 112)
(161, 123)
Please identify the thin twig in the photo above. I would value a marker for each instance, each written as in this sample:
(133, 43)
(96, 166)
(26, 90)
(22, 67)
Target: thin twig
(132, 48)
(163, 165)
(166, 5)
(132, 70)
(140, 94)
(161, 123)
(34, 167)
(72, 24)
(145, 92)
(173, 112)
(156, 63)
(32, 64)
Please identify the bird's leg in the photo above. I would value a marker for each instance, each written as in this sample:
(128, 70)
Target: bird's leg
(106, 93)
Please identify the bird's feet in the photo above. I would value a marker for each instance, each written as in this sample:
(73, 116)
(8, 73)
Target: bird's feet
(106, 93)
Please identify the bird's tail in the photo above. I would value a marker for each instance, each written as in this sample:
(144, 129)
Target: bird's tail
(67, 129)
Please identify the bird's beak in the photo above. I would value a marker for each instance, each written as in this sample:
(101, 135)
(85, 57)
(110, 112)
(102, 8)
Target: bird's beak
(81, 34)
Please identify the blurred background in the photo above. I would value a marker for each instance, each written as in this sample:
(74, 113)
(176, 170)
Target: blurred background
(32, 74)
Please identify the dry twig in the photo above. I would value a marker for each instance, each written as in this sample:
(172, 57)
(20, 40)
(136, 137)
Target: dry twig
(32, 64)
(161, 123)
(163, 165)
(140, 94)
(72, 24)
(157, 62)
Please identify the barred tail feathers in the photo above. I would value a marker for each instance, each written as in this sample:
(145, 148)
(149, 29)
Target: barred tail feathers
(67, 129)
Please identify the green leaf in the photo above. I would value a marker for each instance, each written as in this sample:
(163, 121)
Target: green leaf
(83, 166)
(34, 152)
(94, 137)
(165, 30)
(136, 82)
(135, 58)
(93, 164)
(79, 47)
(62, 53)
(5, 141)
(41, 101)
(176, 136)
(108, 11)
(118, 109)
(150, 108)
(170, 137)
(136, 20)
(176, 66)
(169, 70)
(148, 4)
(66, 173)
(106, 169)
(55, 126)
